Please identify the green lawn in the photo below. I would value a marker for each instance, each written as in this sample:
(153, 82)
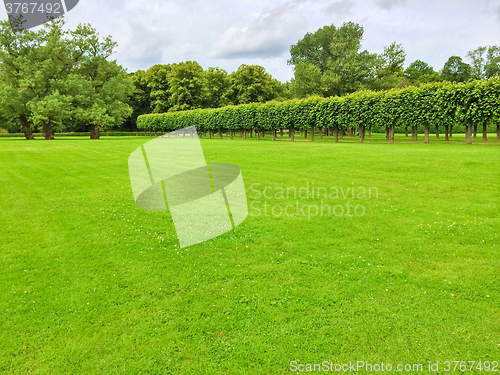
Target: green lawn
(91, 284)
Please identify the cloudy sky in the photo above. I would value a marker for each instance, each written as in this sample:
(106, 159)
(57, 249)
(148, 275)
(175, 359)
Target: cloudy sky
(226, 34)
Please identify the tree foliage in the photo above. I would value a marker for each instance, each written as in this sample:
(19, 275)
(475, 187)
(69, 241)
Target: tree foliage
(54, 77)
(433, 104)
(330, 62)
(455, 70)
(252, 84)
(187, 86)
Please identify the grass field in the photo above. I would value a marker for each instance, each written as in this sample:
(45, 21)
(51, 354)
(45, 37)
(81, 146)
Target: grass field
(91, 284)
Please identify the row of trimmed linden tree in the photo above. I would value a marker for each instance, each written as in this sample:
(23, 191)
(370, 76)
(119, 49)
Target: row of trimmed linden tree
(431, 106)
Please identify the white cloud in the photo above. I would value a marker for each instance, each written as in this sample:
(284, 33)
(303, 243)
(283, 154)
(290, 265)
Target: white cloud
(341, 8)
(228, 33)
(269, 35)
(389, 4)
(143, 44)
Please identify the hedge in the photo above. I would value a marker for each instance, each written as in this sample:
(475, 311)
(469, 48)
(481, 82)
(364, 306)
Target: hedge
(437, 106)
(77, 134)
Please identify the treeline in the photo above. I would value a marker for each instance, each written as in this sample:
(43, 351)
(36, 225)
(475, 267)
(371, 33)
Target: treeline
(60, 80)
(437, 106)
(57, 80)
(330, 62)
(326, 63)
(183, 86)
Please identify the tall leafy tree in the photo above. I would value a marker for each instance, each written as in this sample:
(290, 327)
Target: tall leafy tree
(103, 93)
(307, 80)
(252, 84)
(420, 72)
(485, 61)
(53, 76)
(140, 101)
(188, 89)
(34, 66)
(390, 67)
(335, 52)
(314, 48)
(218, 87)
(159, 87)
(455, 70)
(492, 66)
(478, 62)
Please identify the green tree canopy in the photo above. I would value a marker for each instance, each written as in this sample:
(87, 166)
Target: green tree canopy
(54, 76)
(455, 70)
(159, 87)
(390, 68)
(485, 61)
(419, 72)
(218, 87)
(252, 84)
(140, 101)
(314, 48)
(492, 67)
(330, 62)
(187, 86)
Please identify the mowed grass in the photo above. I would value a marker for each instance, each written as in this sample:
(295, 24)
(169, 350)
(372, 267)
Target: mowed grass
(91, 284)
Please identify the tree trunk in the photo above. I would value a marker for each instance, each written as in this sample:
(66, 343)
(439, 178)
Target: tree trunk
(26, 128)
(406, 131)
(95, 133)
(210, 134)
(485, 131)
(437, 131)
(391, 133)
(451, 130)
(244, 134)
(468, 132)
(220, 132)
(273, 135)
(387, 132)
(251, 133)
(320, 130)
(48, 132)
(361, 133)
(446, 127)
(336, 133)
(312, 134)
(498, 131)
(416, 133)
(305, 133)
(258, 135)
(426, 128)
(231, 134)
(292, 134)
(341, 134)
(475, 130)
